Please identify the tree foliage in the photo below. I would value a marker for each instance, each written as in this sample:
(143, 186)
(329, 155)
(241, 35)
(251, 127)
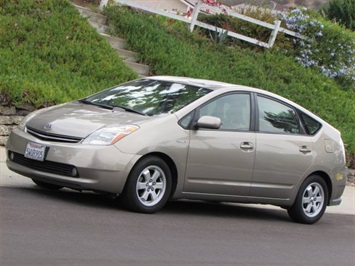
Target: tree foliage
(342, 11)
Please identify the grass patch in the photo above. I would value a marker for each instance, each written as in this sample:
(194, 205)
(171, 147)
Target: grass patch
(50, 54)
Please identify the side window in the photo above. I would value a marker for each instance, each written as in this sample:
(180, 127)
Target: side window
(312, 126)
(232, 109)
(275, 117)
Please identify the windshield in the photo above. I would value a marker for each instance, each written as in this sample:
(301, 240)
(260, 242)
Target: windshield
(148, 97)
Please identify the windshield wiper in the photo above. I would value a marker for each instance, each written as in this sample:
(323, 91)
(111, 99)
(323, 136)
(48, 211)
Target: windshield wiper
(111, 107)
(106, 106)
(131, 110)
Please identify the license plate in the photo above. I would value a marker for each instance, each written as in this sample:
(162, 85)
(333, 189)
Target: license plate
(35, 151)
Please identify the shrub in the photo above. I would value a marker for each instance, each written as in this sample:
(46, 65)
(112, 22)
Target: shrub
(247, 28)
(170, 49)
(343, 11)
(330, 48)
(49, 54)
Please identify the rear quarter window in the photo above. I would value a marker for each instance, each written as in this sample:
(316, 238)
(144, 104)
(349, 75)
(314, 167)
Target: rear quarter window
(311, 125)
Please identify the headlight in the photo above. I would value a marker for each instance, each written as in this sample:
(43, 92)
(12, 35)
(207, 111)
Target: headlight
(109, 135)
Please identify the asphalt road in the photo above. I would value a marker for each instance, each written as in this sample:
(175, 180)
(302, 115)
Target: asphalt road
(41, 227)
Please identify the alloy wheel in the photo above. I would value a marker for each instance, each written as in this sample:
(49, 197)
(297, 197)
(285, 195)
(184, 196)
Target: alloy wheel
(151, 185)
(313, 199)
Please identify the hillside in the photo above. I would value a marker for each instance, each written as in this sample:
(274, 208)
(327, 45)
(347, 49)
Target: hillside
(279, 4)
(67, 59)
(170, 49)
(49, 54)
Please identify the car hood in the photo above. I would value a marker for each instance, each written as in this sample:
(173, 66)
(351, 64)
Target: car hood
(80, 120)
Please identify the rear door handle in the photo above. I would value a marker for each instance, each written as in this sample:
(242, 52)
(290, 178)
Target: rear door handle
(305, 149)
(247, 146)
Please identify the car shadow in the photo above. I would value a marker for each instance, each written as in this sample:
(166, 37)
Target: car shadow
(70, 196)
(178, 207)
(222, 209)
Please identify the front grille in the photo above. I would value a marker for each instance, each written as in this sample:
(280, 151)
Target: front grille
(45, 166)
(51, 137)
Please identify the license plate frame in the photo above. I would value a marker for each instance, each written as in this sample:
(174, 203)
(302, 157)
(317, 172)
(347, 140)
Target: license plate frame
(36, 151)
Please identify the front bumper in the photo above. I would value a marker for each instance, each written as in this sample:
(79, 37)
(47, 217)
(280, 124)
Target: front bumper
(99, 168)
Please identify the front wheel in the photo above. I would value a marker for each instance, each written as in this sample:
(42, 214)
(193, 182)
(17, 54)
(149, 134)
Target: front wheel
(148, 186)
(311, 201)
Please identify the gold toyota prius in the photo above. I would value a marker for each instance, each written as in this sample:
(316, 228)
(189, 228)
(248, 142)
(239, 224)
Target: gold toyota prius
(161, 138)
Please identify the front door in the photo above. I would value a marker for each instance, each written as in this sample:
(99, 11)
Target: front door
(221, 161)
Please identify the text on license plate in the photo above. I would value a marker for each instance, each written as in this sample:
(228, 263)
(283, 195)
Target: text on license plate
(35, 151)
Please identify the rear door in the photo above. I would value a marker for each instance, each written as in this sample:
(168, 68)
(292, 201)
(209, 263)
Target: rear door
(284, 151)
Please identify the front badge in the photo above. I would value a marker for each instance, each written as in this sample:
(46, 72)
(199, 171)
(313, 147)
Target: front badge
(47, 127)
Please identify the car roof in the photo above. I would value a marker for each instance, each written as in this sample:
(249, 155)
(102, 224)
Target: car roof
(218, 85)
(209, 84)
(215, 85)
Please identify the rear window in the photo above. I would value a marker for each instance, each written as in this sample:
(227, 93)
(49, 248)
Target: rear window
(311, 125)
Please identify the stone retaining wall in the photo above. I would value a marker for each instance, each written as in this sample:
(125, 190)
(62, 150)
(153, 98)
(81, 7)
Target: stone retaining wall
(351, 177)
(10, 117)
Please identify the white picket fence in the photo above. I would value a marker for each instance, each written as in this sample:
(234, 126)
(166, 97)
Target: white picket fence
(275, 28)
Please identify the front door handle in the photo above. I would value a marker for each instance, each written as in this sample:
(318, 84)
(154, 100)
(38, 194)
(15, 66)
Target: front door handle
(305, 149)
(247, 146)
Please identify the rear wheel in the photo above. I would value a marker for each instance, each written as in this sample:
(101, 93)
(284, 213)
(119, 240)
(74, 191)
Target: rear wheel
(46, 185)
(148, 186)
(311, 201)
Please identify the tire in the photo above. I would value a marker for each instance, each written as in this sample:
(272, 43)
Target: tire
(148, 186)
(311, 201)
(46, 185)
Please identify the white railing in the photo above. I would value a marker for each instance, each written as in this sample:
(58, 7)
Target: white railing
(275, 28)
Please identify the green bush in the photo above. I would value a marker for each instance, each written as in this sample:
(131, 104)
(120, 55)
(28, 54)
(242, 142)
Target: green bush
(50, 54)
(343, 11)
(170, 49)
(330, 48)
(247, 28)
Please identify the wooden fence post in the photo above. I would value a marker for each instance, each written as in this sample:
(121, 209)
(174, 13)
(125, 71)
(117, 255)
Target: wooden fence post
(195, 15)
(274, 33)
(194, 22)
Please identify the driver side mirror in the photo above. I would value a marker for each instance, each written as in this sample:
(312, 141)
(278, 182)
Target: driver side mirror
(210, 122)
